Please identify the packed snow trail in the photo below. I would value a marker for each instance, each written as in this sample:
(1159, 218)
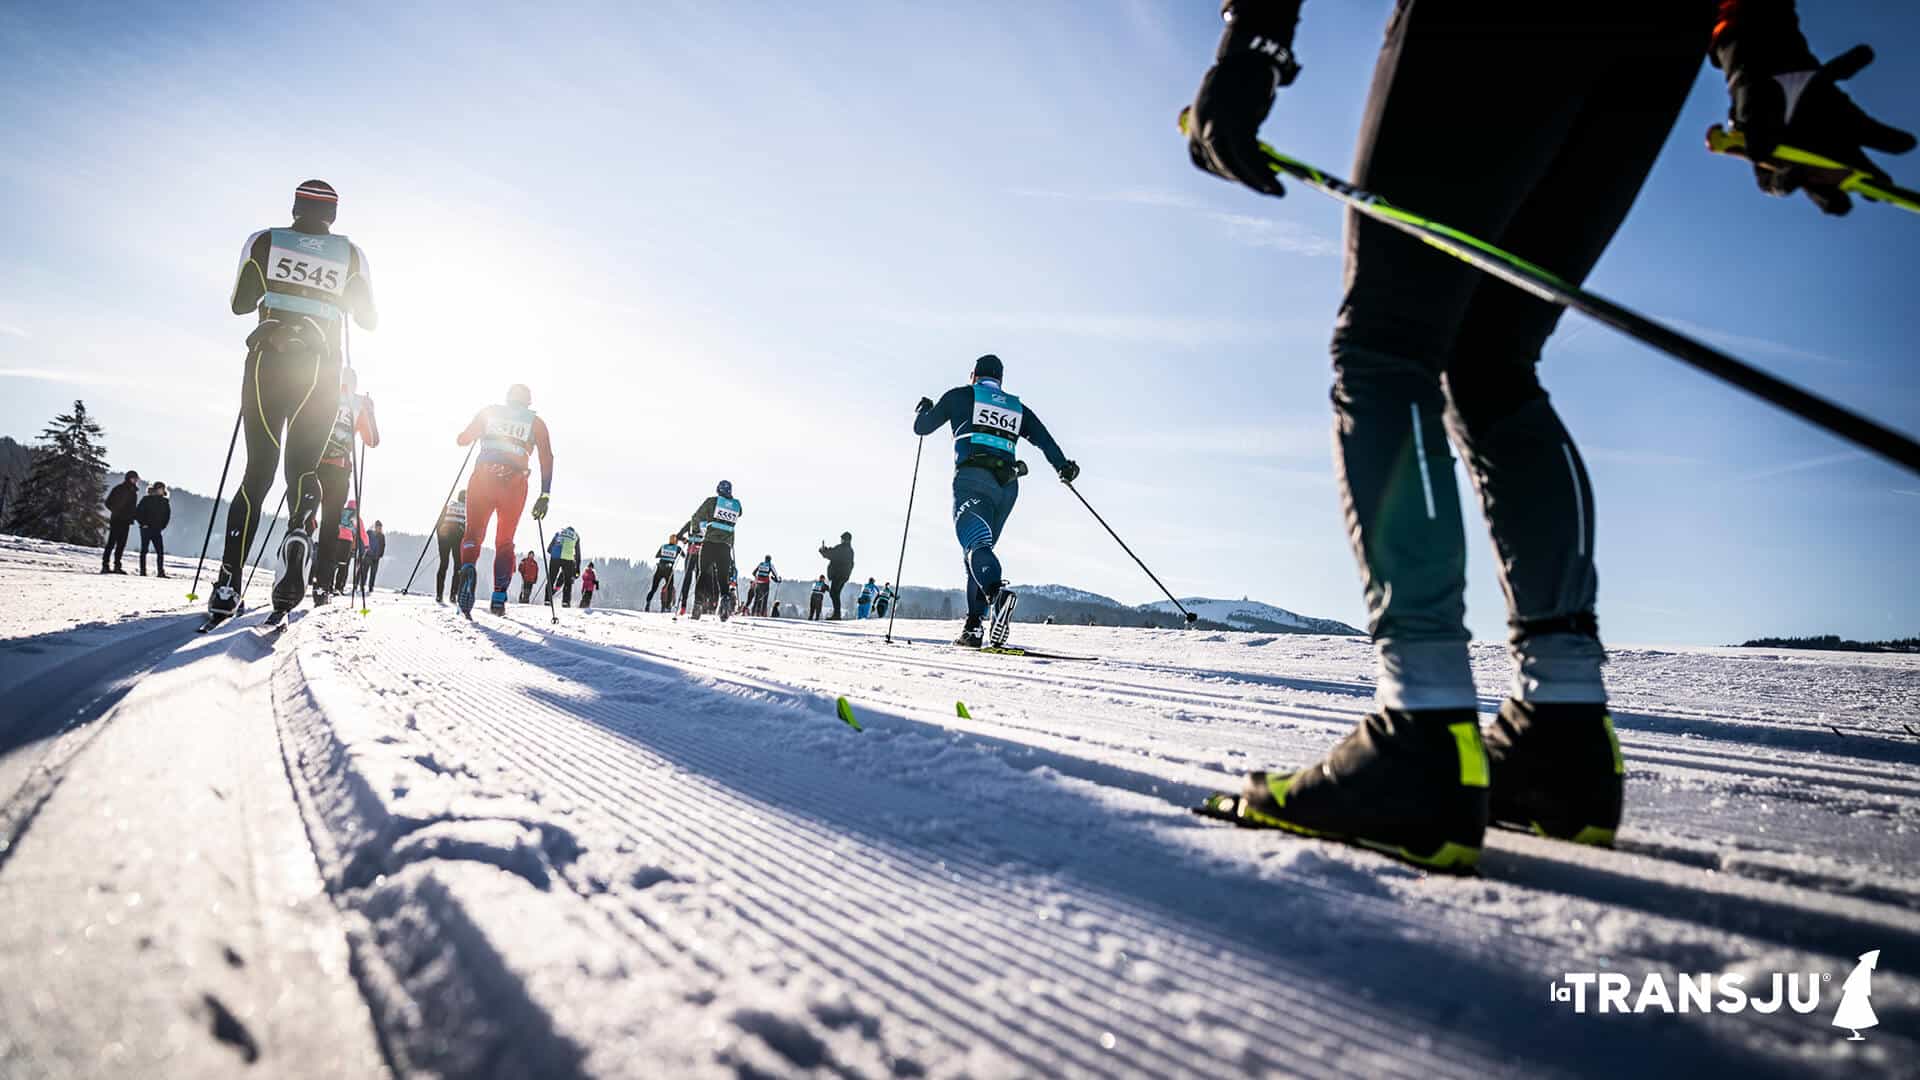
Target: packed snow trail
(630, 846)
(1024, 893)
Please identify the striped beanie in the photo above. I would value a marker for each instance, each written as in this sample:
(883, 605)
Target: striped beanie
(315, 199)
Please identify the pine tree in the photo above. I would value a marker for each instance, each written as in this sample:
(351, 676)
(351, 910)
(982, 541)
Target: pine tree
(61, 498)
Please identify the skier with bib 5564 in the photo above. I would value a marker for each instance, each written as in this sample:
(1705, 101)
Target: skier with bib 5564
(509, 434)
(987, 422)
(1563, 109)
(302, 281)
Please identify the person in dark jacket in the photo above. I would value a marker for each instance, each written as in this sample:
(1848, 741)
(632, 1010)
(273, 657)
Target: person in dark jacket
(122, 504)
(447, 534)
(839, 567)
(369, 571)
(153, 514)
(814, 598)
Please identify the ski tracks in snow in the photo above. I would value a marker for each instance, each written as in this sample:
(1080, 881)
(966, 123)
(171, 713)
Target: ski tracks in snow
(661, 852)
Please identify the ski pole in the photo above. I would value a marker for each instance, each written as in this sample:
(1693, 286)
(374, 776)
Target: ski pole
(365, 589)
(893, 609)
(1542, 283)
(1191, 617)
(194, 592)
(433, 533)
(1858, 181)
(551, 610)
(267, 541)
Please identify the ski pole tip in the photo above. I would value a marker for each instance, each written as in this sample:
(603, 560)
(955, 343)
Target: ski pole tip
(845, 712)
(960, 710)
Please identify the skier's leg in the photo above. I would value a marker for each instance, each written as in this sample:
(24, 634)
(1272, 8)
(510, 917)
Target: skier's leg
(977, 500)
(328, 549)
(262, 417)
(512, 500)
(834, 585)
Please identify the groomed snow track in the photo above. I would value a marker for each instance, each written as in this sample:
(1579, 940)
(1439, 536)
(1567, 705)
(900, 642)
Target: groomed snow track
(634, 846)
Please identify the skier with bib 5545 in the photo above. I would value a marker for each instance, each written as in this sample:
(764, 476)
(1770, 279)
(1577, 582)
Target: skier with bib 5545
(715, 521)
(509, 434)
(1562, 109)
(302, 281)
(987, 423)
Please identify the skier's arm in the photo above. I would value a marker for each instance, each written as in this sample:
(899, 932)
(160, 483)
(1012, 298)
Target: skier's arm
(1254, 59)
(705, 513)
(475, 428)
(369, 428)
(250, 283)
(950, 409)
(359, 291)
(1036, 433)
(544, 446)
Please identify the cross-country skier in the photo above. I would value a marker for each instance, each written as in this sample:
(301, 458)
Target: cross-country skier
(563, 564)
(717, 517)
(349, 536)
(815, 596)
(883, 601)
(863, 606)
(764, 575)
(694, 541)
(987, 423)
(352, 417)
(663, 562)
(302, 281)
(447, 535)
(509, 435)
(1563, 108)
(589, 581)
(529, 576)
(839, 567)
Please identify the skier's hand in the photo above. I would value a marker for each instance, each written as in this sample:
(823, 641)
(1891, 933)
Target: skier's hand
(923, 406)
(1069, 473)
(540, 507)
(1806, 109)
(1223, 126)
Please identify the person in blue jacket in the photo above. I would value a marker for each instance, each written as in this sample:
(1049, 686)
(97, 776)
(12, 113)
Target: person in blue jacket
(863, 606)
(987, 423)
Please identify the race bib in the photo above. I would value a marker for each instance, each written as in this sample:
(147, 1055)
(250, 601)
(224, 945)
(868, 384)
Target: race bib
(507, 427)
(307, 262)
(990, 417)
(726, 514)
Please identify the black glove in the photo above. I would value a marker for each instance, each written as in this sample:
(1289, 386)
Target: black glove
(1069, 473)
(540, 507)
(923, 406)
(1804, 108)
(1223, 127)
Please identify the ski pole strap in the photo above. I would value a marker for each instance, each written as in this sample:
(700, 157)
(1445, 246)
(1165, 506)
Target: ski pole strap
(1521, 274)
(1856, 181)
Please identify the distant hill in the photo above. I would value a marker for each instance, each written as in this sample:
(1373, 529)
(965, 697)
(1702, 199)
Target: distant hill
(1253, 615)
(1833, 643)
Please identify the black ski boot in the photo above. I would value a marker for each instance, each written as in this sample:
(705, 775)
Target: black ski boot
(1557, 770)
(1412, 785)
(290, 589)
(463, 585)
(224, 605)
(970, 635)
(1000, 622)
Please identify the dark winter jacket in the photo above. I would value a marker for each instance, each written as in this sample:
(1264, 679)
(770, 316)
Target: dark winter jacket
(376, 544)
(839, 558)
(123, 501)
(155, 512)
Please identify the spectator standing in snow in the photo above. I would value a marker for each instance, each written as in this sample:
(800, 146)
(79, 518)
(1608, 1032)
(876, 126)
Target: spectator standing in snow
(529, 574)
(589, 581)
(814, 599)
(370, 561)
(153, 514)
(123, 502)
(839, 567)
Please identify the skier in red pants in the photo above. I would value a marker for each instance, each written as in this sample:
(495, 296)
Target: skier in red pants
(509, 434)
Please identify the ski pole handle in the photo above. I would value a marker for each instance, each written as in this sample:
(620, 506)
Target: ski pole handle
(1721, 140)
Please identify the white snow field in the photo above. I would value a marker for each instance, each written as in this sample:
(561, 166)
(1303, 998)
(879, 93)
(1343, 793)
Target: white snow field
(625, 845)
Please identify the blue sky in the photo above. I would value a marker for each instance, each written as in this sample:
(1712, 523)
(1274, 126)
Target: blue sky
(739, 240)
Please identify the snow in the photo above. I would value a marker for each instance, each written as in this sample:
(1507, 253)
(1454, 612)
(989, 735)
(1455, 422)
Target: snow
(627, 845)
(1253, 615)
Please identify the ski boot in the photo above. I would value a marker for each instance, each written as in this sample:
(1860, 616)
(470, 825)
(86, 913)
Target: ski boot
(290, 588)
(1557, 770)
(498, 604)
(321, 597)
(1000, 623)
(224, 605)
(1410, 784)
(463, 588)
(970, 635)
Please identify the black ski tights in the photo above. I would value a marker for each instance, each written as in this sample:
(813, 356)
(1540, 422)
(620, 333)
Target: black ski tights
(287, 406)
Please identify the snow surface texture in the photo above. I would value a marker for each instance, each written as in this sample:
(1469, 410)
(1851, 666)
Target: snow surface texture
(634, 846)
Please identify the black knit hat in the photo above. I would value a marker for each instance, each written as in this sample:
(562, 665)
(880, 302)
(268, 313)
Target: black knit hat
(988, 367)
(315, 199)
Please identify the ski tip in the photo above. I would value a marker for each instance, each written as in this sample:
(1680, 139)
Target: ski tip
(845, 712)
(960, 709)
